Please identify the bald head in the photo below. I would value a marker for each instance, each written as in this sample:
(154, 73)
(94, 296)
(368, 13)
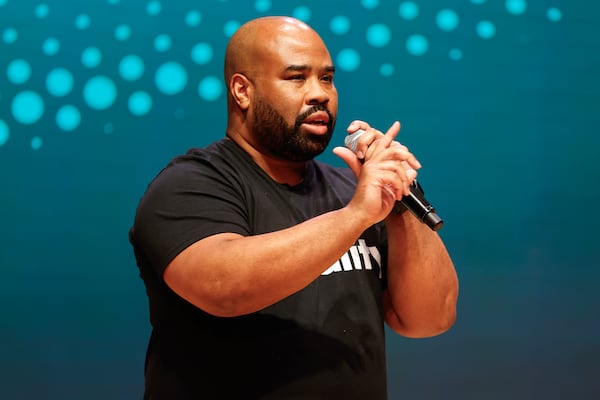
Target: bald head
(256, 38)
(281, 99)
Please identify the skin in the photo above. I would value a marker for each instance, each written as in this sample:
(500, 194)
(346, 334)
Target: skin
(278, 72)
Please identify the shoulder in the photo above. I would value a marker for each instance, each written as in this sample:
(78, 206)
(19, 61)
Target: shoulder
(201, 164)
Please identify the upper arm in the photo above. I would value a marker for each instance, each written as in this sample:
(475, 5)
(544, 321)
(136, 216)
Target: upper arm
(197, 273)
(183, 206)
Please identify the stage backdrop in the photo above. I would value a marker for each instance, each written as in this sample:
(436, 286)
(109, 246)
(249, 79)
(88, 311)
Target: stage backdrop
(498, 99)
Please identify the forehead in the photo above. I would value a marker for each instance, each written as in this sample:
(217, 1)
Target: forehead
(296, 48)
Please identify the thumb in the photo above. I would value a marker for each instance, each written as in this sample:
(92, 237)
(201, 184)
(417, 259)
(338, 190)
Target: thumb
(349, 158)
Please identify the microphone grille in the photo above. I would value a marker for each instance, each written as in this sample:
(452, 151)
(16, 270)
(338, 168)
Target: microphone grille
(351, 141)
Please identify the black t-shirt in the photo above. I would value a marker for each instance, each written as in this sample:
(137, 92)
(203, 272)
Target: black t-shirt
(323, 342)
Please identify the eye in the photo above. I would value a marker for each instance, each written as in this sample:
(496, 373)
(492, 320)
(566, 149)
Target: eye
(327, 78)
(298, 77)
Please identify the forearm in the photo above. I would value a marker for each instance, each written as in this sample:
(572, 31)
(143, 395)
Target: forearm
(422, 283)
(229, 275)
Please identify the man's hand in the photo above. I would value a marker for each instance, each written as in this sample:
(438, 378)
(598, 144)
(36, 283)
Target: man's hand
(385, 169)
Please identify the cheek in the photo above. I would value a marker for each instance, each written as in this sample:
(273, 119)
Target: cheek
(333, 98)
(284, 100)
(333, 106)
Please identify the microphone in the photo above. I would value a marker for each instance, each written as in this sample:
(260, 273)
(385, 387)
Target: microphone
(414, 202)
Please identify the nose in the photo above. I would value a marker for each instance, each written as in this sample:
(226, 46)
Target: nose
(316, 92)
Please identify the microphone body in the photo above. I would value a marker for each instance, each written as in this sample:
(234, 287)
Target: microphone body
(414, 202)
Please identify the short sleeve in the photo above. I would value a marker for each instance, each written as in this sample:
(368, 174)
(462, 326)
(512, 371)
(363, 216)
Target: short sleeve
(189, 200)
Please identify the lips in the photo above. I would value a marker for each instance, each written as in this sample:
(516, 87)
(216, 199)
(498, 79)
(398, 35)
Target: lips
(317, 118)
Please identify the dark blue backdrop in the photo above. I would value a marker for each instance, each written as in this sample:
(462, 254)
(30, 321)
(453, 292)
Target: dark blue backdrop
(499, 100)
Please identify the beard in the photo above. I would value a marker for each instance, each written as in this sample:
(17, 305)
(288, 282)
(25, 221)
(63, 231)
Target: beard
(287, 142)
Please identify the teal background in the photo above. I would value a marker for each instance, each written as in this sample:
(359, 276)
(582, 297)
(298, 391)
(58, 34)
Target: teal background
(505, 124)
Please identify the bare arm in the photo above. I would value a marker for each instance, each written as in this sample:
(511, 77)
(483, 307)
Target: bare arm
(422, 284)
(229, 274)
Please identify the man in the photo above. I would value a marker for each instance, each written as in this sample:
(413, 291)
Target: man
(269, 274)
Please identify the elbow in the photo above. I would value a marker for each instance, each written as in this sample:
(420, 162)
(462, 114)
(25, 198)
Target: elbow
(427, 329)
(444, 324)
(220, 298)
(219, 306)
(223, 301)
(424, 322)
(443, 320)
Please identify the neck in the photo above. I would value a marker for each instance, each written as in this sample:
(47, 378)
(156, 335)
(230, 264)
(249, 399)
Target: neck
(281, 171)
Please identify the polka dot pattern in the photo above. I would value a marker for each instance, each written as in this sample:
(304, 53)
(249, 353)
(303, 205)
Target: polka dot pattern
(127, 63)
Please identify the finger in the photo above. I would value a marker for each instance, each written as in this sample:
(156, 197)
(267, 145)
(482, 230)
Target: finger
(365, 139)
(349, 158)
(411, 173)
(356, 125)
(395, 176)
(403, 179)
(391, 134)
(384, 141)
(404, 154)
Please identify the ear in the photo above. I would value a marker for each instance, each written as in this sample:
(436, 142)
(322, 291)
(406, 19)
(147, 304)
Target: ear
(240, 88)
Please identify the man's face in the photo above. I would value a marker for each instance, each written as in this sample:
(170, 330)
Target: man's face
(294, 105)
(290, 141)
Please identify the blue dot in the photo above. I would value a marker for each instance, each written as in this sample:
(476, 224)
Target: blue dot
(447, 20)
(59, 82)
(68, 118)
(262, 5)
(36, 143)
(113, 1)
(154, 8)
(417, 45)
(516, 6)
(4, 133)
(42, 11)
(386, 69)
(18, 71)
(339, 25)
(131, 67)
(171, 78)
(99, 92)
(82, 22)
(486, 29)
(378, 35)
(162, 43)
(91, 57)
(122, 32)
(230, 27)
(554, 14)
(3, 2)
(369, 4)
(10, 35)
(210, 88)
(193, 18)
(478, 1)
(27, 107)
(456, 54)
(50, 46)
(139, 103)
(202, 53)
(348, 59)
(408, 10)
(302, 13)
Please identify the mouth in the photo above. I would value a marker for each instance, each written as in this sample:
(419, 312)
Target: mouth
(318, 119)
